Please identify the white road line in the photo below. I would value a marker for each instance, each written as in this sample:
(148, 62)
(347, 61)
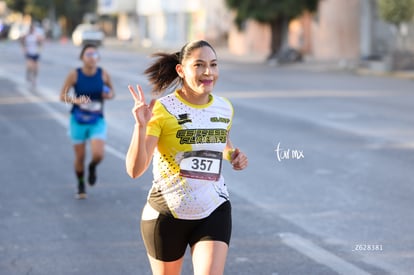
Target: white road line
(320, 255)
(49, 95)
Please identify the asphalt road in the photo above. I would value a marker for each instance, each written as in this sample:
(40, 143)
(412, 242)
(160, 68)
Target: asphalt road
(328, 191)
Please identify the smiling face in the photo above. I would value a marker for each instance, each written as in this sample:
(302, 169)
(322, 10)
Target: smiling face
(199, 72)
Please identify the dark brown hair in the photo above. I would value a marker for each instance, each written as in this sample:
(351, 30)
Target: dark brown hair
(162, 73)
(85, 47)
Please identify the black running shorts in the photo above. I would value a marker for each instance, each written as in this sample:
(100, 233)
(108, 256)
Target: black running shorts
(166, 238)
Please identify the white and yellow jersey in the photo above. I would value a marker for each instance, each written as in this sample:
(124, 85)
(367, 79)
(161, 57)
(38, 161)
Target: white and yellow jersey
(188, 159)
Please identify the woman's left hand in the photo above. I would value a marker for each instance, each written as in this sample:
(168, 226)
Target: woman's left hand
(238, 160)
(109, 95)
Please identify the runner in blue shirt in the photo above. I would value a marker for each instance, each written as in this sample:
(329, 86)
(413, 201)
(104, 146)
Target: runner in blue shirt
(92, 86)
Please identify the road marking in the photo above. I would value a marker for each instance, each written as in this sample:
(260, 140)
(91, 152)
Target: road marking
(13, 100)
(320, 255)
(303, 94)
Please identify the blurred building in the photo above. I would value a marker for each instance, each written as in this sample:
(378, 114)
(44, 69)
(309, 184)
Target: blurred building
(118, 18)
(166, 23)
(347, 31)
(331, 33)
(340, 30)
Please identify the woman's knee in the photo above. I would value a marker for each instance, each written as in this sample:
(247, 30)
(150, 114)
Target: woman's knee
(161, 267)
(98, 156)
(98, 150)
(209, 257)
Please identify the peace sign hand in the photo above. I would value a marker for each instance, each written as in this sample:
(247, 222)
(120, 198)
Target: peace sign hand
(142, 112)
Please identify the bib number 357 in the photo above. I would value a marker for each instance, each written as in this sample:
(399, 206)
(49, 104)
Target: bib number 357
(201, 165)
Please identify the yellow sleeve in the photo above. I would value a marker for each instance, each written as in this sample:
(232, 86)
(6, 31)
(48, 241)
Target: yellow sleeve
(155, 124)
(232, 113)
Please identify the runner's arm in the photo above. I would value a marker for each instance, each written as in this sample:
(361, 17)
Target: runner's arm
(236, 157)
(229, 149)
(108, 82)
(64, 93)
(140, 152)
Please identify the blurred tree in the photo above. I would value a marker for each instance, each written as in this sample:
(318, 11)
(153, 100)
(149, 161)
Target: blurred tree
(37, 8)
(275, 13)
(71, 10)
(16, 5)
(396, 12)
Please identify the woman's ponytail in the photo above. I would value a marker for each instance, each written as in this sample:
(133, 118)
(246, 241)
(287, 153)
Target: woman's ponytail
(162, 73)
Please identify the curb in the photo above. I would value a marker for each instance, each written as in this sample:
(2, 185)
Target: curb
(393, 74)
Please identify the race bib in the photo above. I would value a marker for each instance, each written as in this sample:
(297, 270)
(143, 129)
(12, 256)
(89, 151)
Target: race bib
(93, 106)
(205, 165)
(88, 113)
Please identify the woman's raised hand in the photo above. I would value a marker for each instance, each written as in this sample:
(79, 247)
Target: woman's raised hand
(142, 112)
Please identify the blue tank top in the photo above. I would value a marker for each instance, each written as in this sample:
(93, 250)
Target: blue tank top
(91, 86)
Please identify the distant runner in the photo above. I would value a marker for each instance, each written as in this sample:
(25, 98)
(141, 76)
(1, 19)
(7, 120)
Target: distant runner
(92, 86)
